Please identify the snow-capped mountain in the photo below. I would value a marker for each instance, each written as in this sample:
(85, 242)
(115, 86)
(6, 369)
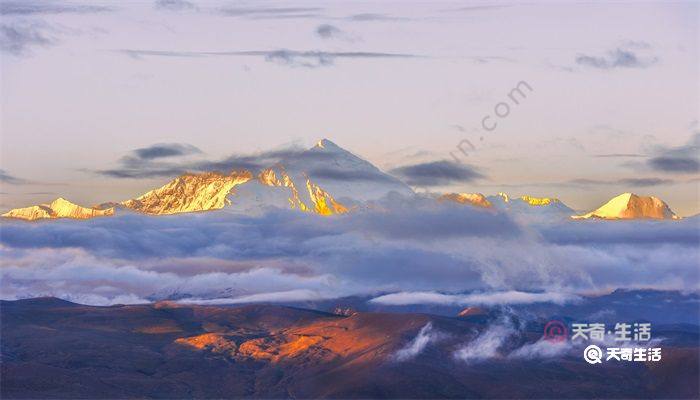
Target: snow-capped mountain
(475, 199)
(631, 206)
(189, 192)
(59, 208)
(530, 205)
(343, 174)
(324, 179)
(314, 180)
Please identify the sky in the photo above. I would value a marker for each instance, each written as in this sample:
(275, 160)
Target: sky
(610, 99)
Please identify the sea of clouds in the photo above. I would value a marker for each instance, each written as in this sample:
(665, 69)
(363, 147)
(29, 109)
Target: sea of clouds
(409, 253)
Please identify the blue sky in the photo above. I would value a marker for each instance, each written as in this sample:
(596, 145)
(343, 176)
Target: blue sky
(613, 106)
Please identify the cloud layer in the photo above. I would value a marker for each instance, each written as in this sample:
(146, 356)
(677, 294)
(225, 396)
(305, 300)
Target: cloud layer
(402, 253)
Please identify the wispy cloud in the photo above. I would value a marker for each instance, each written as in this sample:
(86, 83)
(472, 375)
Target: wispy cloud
(637, 182)
(163, 150)
(614, 59)
(481, 7)
(682, 159)
(327, 31)
(487, 345)
(31, 7)
(292, 58)
(5, 177)
(148, 162)
(19, 37)
(174, 5)
(542, 349)
(369, 17)
(620, 155)
(171, 159)
(488, 299)
(271, 12)
(437, 173)
(425, 336)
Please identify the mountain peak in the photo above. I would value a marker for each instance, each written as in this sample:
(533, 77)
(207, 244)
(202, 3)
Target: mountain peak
(538, 201)
(631, 206)
(475, 199)
(326, 145)
(59, 208)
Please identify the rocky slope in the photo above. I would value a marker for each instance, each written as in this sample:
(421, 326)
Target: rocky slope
(56, 349)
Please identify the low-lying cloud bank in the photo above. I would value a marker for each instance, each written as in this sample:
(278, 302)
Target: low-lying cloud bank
(411, 253)
(486, 299)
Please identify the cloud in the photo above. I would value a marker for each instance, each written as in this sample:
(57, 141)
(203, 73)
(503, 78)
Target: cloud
(167, 160)
(271, 12)
(174, 5)
(148, 162)
(542, 349)
(675, 164)
(643, 182)
(19, 37)
(487, 345)
(287, 296)
(629, 233)
(416, 346)
(161, 160)
(618, 58)
(486, 299)
(620, 155)
(162, 150)
(9, 179)
(30, 7)
(291, 58)
(437, 173)
(336, 174)
(370, 17)
(481, 7)
(326, 31)
(636, 182)
(410, 252)
(679, 160)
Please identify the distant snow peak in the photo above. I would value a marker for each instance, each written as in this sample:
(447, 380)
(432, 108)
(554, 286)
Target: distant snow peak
(631, 206)
(538, 201)
(530, 205)
(326, 144)
(59, 208)
(475, 199)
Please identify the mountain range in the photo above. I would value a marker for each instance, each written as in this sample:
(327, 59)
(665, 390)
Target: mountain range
(325, 180)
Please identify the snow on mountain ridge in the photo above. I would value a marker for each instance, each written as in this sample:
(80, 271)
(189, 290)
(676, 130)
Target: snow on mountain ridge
(59, 208)
(631, 206)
